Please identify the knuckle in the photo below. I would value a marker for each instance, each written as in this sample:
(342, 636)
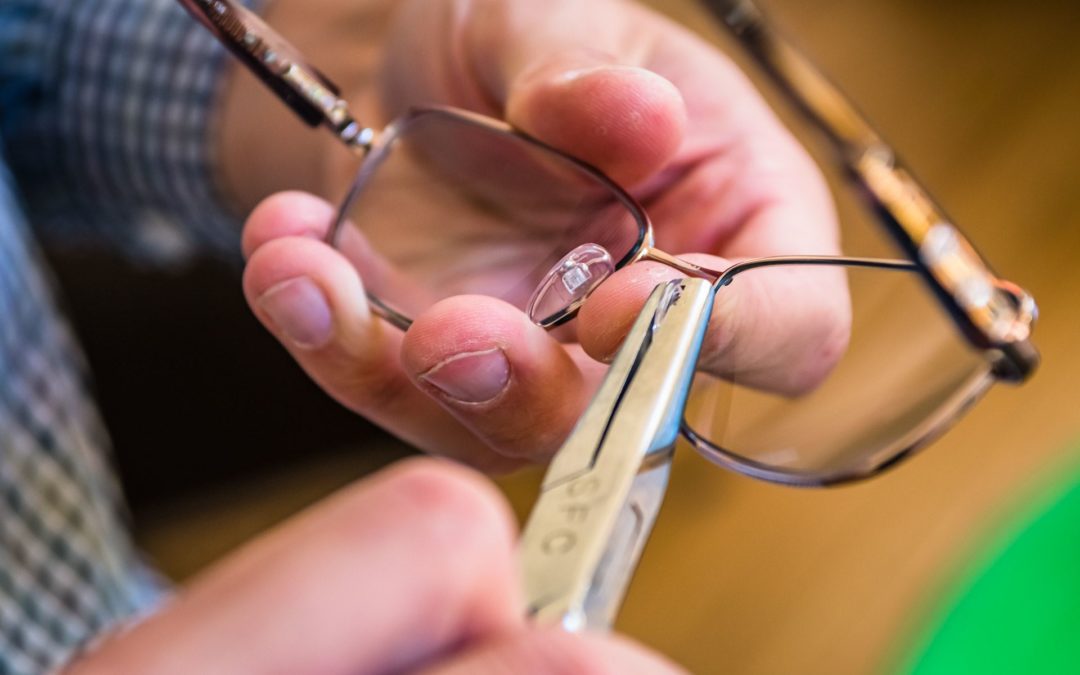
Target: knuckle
(368, 384)
(448, 496)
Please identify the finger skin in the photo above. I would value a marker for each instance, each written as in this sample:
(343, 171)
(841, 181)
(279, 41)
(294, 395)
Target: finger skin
(608, 314)
(286, 214)
(778, 329)
(547, 388)
(361, 365)
(555, 652)
(559, 70)
(376, 371)
(626, 121)
(389, 575)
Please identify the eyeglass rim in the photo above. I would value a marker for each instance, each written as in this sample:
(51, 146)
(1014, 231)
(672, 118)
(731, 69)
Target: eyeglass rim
(382, 143)
(903, 206)
(881, 460)
(919, 437)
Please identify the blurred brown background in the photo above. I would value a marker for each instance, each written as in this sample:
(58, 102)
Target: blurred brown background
(982, 99)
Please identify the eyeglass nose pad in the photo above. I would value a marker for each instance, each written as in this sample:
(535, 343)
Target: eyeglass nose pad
(568, 283)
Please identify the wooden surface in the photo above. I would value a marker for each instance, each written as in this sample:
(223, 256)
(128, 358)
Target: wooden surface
(982, 99)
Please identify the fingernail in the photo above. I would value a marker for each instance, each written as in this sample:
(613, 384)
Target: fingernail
(300, 311)
(471, 377)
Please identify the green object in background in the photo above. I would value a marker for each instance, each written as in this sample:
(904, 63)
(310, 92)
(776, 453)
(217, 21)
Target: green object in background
(1019, 612)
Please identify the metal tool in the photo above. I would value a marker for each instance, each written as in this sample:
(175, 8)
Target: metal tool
(282, 68)
(605, 486)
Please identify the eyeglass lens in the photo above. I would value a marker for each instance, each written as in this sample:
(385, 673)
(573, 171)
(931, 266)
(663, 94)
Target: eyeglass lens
(485, 212)
(831, 386)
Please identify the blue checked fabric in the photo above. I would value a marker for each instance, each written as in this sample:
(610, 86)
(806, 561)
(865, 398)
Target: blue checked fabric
(105, 121)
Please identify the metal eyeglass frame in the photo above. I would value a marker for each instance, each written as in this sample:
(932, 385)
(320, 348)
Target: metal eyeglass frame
(994, 315)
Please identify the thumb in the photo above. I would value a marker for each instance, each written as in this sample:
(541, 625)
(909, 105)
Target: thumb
(569, 73)
(566, 72)
(625, 120)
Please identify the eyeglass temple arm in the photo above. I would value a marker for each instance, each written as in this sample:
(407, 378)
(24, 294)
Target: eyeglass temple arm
(993, 313)
(281, 67)
(602, 492)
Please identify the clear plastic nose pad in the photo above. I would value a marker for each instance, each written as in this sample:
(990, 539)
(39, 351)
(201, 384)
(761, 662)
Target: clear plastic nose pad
(568, 283)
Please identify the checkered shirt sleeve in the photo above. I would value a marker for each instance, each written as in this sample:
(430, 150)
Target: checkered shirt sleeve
(111, 131)
(67, 568)
(106, 123)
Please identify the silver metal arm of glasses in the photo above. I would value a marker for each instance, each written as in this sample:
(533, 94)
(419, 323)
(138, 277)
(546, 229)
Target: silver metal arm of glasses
(282, 68)
(994, 314)
(602, 492)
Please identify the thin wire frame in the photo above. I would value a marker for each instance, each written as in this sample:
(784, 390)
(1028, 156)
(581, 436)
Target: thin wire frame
(991, 312)
(995, 316)
(872, 464)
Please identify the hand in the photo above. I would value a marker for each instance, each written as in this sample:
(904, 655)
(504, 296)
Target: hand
(410, 570)
(682, 128)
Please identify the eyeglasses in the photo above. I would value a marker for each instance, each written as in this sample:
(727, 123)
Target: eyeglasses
(853, 366)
